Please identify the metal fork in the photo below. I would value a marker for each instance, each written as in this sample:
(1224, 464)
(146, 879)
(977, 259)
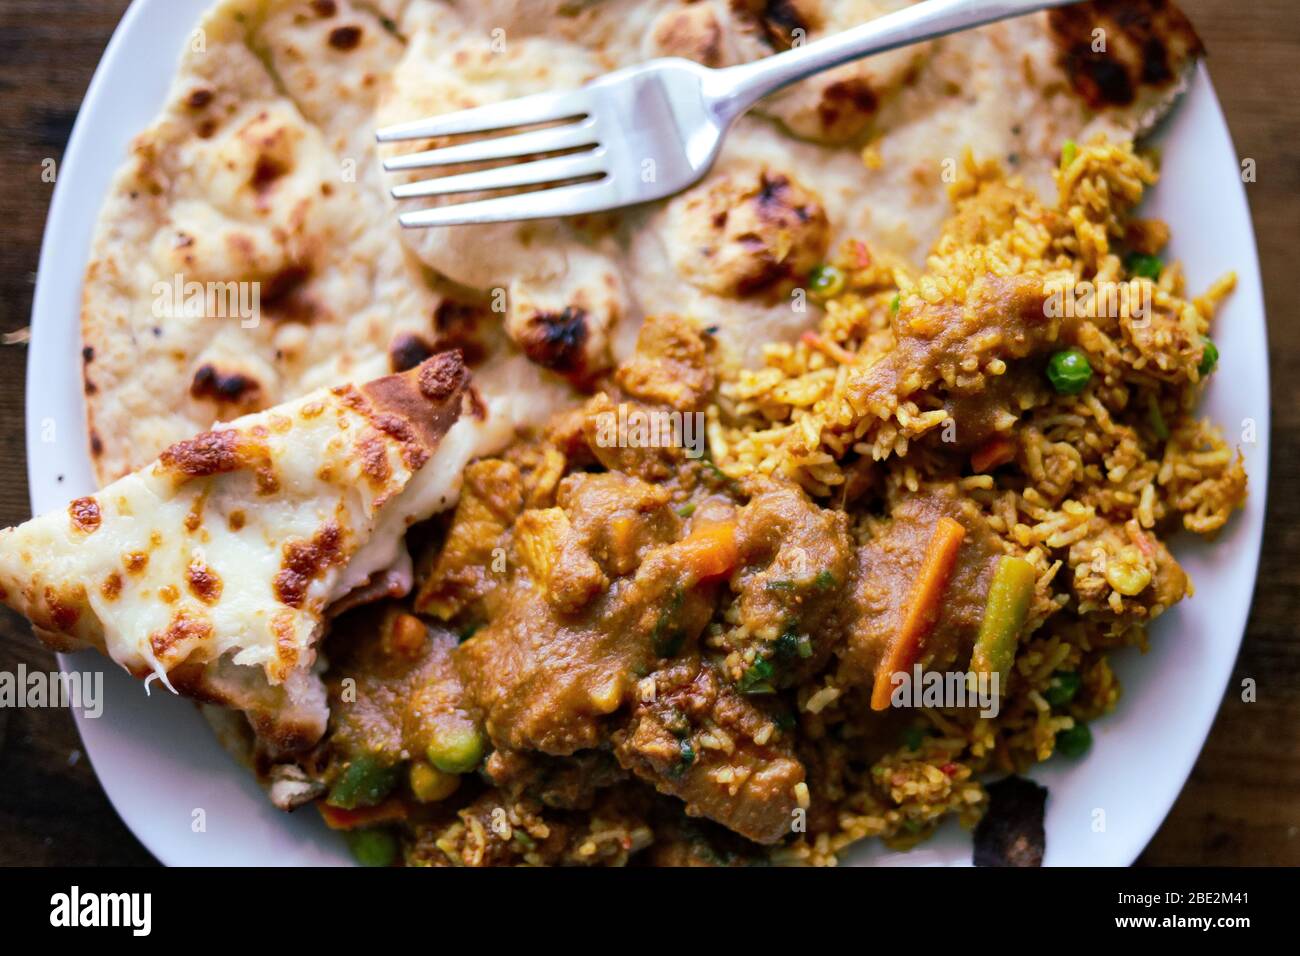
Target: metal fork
(641, 133)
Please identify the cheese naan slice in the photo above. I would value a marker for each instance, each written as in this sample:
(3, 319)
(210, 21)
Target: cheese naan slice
(212, 568)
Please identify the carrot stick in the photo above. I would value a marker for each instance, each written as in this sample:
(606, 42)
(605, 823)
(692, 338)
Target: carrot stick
(922, 608)
(992, 454)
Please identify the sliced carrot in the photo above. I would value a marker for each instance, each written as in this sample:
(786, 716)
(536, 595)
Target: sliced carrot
(922, 609)
(994, 453)
(832, 350)
(336, 818)
(711, 551)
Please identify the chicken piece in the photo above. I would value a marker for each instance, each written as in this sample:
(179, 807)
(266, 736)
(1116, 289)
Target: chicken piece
(697, 739)
(462, 570)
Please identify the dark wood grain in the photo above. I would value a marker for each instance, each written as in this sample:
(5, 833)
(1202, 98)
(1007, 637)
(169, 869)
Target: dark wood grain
(1241, 805)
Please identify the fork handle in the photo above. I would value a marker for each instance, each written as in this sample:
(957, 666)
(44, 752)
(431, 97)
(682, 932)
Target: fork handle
(737, 88)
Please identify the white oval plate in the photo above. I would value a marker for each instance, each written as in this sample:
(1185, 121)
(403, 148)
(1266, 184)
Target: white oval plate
(160, 765)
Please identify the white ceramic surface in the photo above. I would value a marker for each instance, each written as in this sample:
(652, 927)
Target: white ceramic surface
(159, 763)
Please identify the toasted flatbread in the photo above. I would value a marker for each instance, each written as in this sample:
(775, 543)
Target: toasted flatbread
(211, 569)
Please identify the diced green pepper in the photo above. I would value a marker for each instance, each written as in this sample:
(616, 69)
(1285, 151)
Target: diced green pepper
(1005, 611)
(913, 737)
(894, 303)
(1069, 152)
(687, 509)
(1209, 357)
(1148, 267)
(365, 781)
(456, 749)
(1157, 419)
(373, 847)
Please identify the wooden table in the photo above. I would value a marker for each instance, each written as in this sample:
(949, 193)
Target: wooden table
(1240, 806)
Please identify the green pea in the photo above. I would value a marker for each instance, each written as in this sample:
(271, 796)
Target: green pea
(894, 303)
(1209, 357)
(1075, 741)
(1148, 267)
(913, 737)
(456, 749)
(1064, 686)
(825, 282)
(364, 782)
(1069, 371)
(373, 847)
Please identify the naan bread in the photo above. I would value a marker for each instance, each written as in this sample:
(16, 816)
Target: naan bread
(212, 569)
(260, 177)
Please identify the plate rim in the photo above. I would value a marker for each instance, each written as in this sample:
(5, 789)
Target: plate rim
(47, 336)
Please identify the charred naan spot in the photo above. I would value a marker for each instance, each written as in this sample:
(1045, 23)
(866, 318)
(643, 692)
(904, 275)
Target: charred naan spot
(374, 460)
(135, 561)
(168, 594)
(85, 515)
(88, 354)
(750, 235)
(237, 520)
(205, 584)
(211, 453)
(207, 128)
(304, 561)
(325, 8)
(182, 629)
(199, 97)
(96, 446)
(1147, 41)
(459, 326)
(283, 295)
(845, 104)
(407, 350)
(231, 387)
(112, 586)
(345, 38)
(441, 379)
(266, 171)
(781, 21)
(555, 340)
(64, 612)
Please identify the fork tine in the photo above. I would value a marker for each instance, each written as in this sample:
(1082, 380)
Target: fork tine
(544, 204)
(508, 177)
(538, 108)
(505, 147)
